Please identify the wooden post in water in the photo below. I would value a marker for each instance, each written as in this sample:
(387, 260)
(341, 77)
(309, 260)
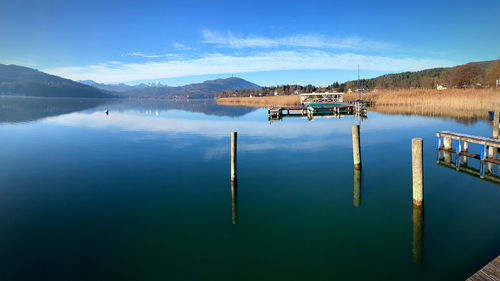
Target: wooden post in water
(417, 166)
(356, 199)
(466, 149)
(234, 201)
(356, 149)
(234, 136)
(418, 234)
(493, 151)
(447, 148)
(496, 117)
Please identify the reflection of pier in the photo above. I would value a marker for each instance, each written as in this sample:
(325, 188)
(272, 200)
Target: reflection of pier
(464, 168)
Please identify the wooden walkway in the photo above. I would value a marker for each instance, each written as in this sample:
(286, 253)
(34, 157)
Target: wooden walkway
(491, 272)
(486, 155)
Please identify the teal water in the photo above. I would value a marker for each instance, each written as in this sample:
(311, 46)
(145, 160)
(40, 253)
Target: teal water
(144, 194)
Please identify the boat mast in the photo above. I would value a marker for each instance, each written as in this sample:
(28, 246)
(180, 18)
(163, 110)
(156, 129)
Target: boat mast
(359, 86)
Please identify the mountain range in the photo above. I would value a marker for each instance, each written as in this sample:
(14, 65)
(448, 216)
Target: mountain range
(206, 89)
(23, 81)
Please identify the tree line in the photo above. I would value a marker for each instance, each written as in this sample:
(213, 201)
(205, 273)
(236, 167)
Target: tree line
(474, 74)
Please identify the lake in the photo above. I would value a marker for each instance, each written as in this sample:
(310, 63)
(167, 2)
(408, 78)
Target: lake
(144, 193)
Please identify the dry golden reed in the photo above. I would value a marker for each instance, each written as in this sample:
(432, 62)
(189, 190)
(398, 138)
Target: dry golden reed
(453, 103)
(268, 101)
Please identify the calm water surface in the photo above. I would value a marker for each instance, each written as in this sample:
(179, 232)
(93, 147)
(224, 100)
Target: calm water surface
(144, 194)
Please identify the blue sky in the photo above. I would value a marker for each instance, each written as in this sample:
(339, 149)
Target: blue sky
(266, 42)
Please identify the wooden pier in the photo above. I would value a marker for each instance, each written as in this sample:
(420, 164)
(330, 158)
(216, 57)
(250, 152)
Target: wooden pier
(462, 150)
(318, 109)
(490, 272)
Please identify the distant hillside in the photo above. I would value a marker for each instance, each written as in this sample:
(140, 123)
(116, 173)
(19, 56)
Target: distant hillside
(462, 76)
(474, 74)
(205, 89)
(23, 81)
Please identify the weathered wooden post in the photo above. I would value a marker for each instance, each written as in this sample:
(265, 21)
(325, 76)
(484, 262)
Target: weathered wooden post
(496, 117)
(447, 149)
(418, 234)
(356, 199)
(493, 151)
(356, 150)
(234, 140)
(234, 201)
(466, 149)
(417, 166)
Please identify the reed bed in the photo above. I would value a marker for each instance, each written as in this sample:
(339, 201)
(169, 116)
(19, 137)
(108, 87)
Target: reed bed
(268, 101)
(459, 99)
(460, 104)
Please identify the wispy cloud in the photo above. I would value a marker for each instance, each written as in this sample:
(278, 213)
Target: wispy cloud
(263, 61)
(150, 56)
(301, 40)
(182, 47)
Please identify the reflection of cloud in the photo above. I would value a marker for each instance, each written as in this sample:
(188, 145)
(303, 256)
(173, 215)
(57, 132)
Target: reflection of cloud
(219, 128)
(290, 145)
(293, 145)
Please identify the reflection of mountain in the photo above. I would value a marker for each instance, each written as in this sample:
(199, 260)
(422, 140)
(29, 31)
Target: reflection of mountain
(19, 109)
(206, 106)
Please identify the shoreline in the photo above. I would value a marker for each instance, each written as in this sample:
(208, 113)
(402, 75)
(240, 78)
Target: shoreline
(454, 103)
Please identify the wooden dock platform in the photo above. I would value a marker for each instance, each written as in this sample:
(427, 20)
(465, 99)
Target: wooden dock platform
(321, 109)
(485, 144)
(490, 272)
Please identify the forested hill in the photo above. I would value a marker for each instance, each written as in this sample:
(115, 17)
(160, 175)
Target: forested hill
(23, 81)
(472, 74)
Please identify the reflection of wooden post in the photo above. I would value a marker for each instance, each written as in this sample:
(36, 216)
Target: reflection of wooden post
(447, 148)
(418, 234)
(356, 150)
(356, 200)
(234, 141)
(417, 165)
(466, 149)
(234, 201)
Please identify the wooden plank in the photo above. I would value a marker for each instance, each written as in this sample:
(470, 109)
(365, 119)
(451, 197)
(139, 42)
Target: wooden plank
(470, 138)
(490, 272)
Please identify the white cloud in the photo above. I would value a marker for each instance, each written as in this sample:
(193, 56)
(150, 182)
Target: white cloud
(182, 47)
(302, 40)
(263, 61)
(151, 56)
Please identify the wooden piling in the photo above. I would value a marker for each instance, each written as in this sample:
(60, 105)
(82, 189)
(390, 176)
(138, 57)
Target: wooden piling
(447, 148)
(495, 124)
(234, 136)
(466, 149)
(417, 165)
(493, 151)
(356, 149)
